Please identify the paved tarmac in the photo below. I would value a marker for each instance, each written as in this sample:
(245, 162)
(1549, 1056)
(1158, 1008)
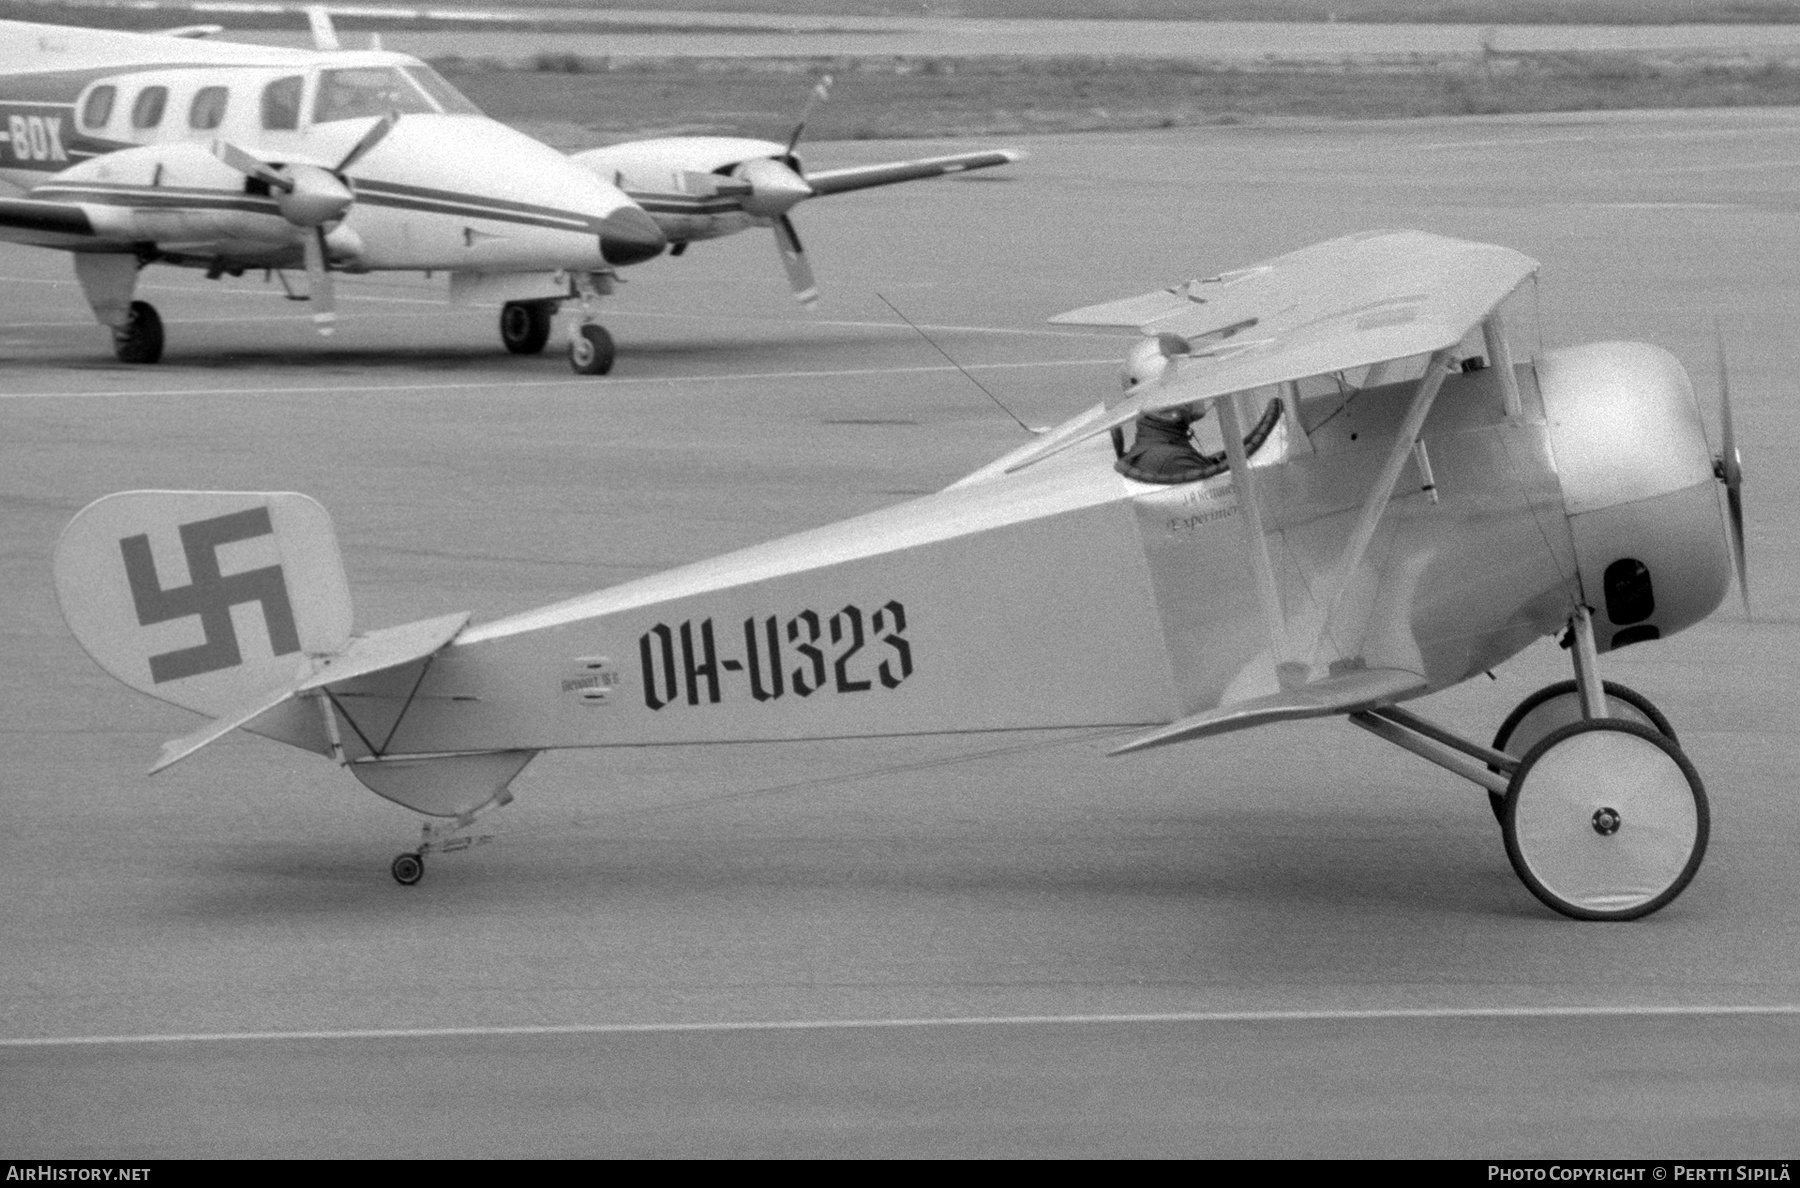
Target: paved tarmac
(1291, 941)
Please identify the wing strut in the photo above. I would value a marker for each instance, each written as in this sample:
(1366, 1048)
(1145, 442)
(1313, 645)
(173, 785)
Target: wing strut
(1260, 562)
(1376, 503)
(1493, 332)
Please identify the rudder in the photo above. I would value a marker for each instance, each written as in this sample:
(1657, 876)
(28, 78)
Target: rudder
(203, 598)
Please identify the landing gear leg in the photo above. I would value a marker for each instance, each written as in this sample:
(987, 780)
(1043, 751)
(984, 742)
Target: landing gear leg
(140, 339)
(1603, 815)
(1605, 818)
(590, 346)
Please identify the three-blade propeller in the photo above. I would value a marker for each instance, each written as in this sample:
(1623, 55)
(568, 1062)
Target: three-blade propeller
(1728, 468)
(776, 187)
(313, 198)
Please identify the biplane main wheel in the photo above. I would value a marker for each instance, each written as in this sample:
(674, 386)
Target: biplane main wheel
(1559, 705)
(591, 351)
(525, 325)
(408, 869)
(1605, 820)
(140, 339)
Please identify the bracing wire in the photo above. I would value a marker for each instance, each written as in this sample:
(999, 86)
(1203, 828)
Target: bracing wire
(940, 350)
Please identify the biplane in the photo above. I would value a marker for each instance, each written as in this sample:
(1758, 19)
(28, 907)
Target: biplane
(1413, 508)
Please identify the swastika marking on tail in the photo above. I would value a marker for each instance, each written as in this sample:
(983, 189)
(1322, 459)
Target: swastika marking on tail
(210, 595)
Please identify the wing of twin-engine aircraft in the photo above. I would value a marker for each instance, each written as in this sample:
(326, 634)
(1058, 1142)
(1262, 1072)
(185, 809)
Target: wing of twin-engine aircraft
(707, 187)
(861, 177)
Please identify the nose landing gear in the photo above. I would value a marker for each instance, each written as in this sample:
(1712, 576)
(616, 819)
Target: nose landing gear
(591, 350)
(590, 346)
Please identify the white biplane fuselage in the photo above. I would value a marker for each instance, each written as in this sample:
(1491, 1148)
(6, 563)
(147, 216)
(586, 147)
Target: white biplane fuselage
(1066, 595)
(1400, 534)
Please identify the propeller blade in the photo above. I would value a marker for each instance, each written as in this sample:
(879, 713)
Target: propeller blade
(249, 166)
(793, 258)
(370, 139)
(319, 288)
(820, 92)
(1730, 471)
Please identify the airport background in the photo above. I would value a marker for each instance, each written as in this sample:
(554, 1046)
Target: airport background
(1290, 942)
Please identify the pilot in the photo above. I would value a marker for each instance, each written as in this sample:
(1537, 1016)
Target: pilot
(1162, 451)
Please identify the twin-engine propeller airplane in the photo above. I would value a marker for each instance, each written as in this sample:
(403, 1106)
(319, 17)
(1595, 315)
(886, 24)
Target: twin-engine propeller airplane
(1413, 517)
(129, 149)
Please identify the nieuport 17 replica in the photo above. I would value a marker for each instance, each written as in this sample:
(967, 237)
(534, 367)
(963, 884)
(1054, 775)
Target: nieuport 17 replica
(132, 149)
(1418, 509)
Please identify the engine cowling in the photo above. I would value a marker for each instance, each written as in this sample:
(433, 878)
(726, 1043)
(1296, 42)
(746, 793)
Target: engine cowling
(1638, 488)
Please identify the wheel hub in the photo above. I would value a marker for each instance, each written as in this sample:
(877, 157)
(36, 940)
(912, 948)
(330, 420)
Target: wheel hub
(1606, 821)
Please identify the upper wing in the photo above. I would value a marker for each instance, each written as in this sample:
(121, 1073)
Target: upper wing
(46, 224)
(1334, 306)
(860, 177)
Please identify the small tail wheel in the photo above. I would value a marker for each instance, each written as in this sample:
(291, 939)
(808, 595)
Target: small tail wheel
(1559, 705)
(591, 350)
(525, 325)
(1605, 820)
(408, 869)
(140, 339)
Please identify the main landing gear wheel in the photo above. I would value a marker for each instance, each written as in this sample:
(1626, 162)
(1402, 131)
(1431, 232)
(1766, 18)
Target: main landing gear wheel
(408, 869)
(591, 350)
(1559, 705)
(525, 325)
(1605, 820)
(140, 339)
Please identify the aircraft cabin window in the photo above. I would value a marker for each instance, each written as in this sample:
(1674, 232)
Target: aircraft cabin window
(367, 91)
(453, 101)
(208, 110)
(147, 111)
(281, 104)
(98, 108)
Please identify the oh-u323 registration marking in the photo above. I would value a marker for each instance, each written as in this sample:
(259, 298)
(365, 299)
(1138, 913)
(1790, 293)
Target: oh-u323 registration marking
(838, 652)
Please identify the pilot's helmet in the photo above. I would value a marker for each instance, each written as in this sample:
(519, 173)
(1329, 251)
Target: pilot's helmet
(1144, 364)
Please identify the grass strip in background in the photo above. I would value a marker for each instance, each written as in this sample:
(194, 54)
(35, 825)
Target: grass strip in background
(578, 103)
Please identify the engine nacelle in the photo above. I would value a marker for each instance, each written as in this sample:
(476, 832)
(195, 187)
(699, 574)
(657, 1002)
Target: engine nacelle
(1638, 488)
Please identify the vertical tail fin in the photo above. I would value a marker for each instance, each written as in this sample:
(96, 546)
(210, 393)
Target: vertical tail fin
(205, 599)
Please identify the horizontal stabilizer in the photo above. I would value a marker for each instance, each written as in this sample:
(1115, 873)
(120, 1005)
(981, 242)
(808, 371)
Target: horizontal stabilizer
(364, 654)
(861, 177)
(1362, 689)
(177, 749)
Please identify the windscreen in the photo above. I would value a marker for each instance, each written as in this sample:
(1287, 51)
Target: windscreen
(451, 100)
(357, 91)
